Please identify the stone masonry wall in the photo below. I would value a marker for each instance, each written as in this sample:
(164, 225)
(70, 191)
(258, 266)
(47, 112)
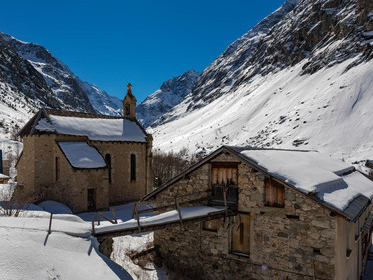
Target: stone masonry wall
(122, 189)
(297, 241)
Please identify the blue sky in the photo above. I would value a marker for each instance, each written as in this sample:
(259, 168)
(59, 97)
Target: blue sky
(110, 43)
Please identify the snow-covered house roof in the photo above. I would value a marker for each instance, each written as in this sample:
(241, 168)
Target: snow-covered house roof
(3, 176)
(81, 155)
(95, 127)
(329, 182)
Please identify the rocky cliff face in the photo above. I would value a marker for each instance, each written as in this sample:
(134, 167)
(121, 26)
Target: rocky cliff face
(171, 93)
(300, 78)
(22, 77)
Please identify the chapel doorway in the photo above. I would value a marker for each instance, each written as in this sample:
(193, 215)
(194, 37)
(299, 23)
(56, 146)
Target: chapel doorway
(91, 200)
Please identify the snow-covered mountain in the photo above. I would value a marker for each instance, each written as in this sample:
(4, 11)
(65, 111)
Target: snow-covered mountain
(74, 93)
(301, 78)
(31, 78)
(171, 93)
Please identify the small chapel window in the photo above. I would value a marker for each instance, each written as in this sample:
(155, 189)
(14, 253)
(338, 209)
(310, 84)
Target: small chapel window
(274, 193)
(133, 167)
(108, 163)
(57, 167)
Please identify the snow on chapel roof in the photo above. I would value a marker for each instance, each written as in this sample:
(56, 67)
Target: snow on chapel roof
(98, 129)
(81, 155)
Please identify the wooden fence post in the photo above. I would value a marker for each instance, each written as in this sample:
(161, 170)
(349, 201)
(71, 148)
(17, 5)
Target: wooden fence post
(178, 210)
(138, 220)
(133, 209)
(93, 225)
(50, 224)
(114, 215)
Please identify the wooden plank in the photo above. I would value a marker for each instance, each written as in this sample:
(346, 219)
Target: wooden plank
(173, 205)
(214, 175)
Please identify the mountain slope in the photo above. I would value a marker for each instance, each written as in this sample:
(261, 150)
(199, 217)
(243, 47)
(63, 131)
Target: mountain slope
(304, 81)
(171, 93)
(74, 93)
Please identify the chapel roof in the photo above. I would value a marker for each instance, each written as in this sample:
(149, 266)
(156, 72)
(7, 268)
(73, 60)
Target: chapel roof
(95, 127)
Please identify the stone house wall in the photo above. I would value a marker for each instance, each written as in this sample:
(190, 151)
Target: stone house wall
(300, 241)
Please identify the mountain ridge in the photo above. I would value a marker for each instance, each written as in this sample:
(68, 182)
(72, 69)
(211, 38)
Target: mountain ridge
(285, 89)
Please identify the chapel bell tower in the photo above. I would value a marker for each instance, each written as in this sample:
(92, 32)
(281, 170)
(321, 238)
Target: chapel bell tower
(129, 104)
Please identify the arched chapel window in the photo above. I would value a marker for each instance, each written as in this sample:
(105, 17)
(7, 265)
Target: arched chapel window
(133, 167)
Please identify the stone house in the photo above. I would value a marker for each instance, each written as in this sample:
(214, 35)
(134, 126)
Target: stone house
(86, 161)
(300, 215)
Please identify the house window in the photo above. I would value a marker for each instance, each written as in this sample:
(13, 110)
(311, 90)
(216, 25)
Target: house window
(241, 235)
(224, 176)
(211, 225)
(57, 171)
(108, 163)
(133, 167)
(274, 193)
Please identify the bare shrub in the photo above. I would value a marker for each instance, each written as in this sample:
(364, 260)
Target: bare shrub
(14, 201)
(168, 165)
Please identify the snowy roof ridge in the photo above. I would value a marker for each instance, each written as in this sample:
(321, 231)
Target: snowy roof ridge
(95, 127)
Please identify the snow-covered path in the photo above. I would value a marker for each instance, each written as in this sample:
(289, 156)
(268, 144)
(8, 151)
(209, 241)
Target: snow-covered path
(69, 252)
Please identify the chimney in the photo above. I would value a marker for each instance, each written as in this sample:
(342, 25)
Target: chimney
(129, 104)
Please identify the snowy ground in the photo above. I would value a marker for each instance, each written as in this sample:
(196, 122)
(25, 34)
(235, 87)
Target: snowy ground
(69, 252)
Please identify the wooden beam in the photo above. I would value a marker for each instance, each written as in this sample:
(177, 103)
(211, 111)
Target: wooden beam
(147, 228)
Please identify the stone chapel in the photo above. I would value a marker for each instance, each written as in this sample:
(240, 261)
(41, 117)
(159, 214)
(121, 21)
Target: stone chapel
(86, 161)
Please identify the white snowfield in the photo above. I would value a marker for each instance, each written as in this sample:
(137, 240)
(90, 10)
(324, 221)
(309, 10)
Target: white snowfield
(81, 155)
(69, 252)
(94, 128)
(312, 172)
(329, 111)
(170, 216)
